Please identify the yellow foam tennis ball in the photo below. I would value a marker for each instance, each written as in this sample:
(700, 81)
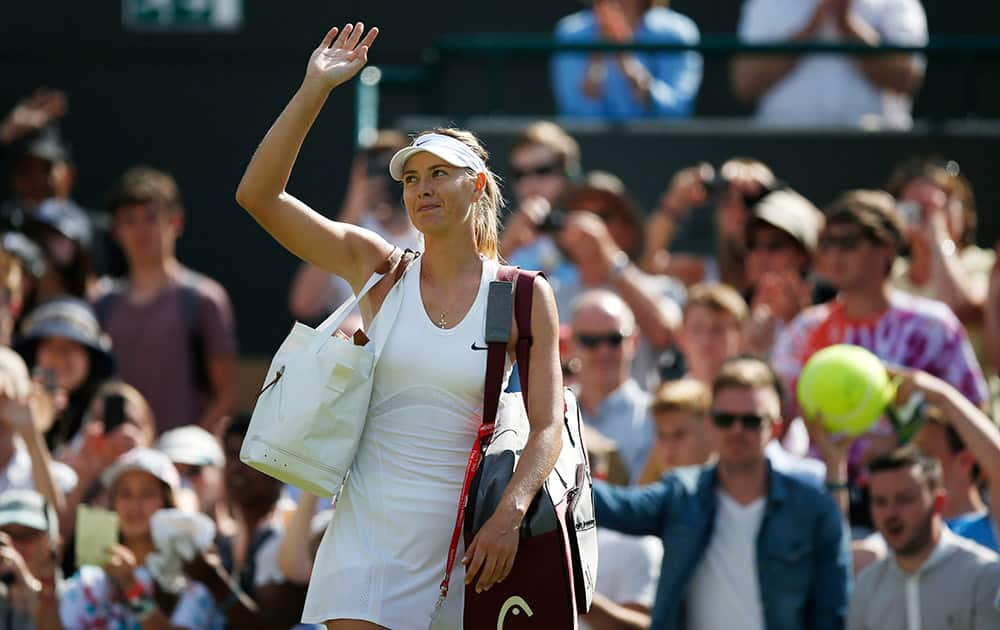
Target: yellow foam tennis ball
(848, 386)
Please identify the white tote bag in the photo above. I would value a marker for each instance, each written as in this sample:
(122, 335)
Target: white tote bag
(310, 414)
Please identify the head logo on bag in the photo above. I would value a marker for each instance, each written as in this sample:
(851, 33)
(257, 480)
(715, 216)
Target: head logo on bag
(513, 605)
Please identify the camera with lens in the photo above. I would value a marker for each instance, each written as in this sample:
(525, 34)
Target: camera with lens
(554, 221)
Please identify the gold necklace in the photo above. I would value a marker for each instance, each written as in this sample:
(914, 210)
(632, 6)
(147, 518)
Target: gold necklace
(442, 322)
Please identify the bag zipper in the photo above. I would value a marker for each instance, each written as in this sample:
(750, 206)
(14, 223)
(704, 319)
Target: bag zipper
(274, 380)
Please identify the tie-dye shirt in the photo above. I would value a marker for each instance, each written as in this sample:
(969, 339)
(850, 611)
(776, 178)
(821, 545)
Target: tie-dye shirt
(92, 602)
(914, 332)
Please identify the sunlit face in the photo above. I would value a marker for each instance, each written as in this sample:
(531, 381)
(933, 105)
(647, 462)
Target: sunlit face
(438, 197)
(681, 439)
(740, 446)
(852, 260)
(771, 250)
(708, 337)
(604, 344)
(537, 171)
(903, 509)
(146, 231)
(69, 360)
(136, 496)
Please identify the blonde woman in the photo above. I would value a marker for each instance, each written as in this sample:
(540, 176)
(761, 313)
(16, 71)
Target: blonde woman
(384, 554)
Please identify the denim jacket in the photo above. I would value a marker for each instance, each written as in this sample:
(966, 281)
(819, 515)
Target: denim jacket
(803, 547)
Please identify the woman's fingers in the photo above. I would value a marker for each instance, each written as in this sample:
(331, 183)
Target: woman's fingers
(473, 560)
(370, 37)
(488, 577)
(345, 33)
(356, 34)
(330, 36)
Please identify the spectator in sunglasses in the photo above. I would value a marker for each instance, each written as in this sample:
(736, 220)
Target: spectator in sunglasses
(611, 401)
(544, 161)
(858, 248)
(781, 243)
(762, 523)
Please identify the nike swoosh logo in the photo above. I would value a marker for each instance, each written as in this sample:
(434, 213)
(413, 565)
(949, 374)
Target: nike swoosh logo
(475, 347)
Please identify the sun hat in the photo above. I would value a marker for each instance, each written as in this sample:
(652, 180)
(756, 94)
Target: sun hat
(451, 150)
(74, 319)
(191, 445)
(147, 460)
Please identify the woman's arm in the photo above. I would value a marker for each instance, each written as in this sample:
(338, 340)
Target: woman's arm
(494, 547)
(340, 248)
(294, 554)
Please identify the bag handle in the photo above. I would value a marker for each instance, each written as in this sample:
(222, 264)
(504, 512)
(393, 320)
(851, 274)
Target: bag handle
(336, 318)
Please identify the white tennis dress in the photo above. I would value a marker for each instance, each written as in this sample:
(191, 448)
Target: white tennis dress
(383, 555)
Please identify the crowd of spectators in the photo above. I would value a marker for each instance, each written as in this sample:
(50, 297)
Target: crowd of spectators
(123, 502)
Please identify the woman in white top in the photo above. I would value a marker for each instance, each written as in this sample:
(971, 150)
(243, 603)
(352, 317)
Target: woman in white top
(384, 552)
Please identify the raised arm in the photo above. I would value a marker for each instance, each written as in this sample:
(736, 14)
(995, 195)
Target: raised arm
(349, 251)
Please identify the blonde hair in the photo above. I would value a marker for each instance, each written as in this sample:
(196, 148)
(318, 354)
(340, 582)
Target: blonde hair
(550, 135)
(745, 372)
(686, 394)
(486, 223)
(717, 297)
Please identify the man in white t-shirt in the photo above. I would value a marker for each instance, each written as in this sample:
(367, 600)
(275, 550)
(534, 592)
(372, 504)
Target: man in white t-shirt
(830, 89)
(748, 546)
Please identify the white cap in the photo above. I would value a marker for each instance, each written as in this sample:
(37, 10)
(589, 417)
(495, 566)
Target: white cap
(452, 151)
(193, 446)
(147, 460)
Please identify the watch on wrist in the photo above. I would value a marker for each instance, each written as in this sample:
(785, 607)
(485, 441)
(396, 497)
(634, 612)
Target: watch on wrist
(619, 263)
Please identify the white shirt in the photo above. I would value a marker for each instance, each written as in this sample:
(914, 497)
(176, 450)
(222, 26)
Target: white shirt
(629, 569)
(831, 89)
(725, 592)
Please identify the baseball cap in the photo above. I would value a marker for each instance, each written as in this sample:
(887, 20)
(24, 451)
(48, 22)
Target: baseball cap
(27, 508)
(74, 319)
(451, 150)
(191, 445)
(147, 460)
(791, 213)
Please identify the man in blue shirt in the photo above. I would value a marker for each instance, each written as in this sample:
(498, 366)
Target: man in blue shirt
(745, 546)
(626, 85)
(967, 443)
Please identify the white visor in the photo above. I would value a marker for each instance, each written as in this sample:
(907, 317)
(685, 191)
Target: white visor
(452, 151)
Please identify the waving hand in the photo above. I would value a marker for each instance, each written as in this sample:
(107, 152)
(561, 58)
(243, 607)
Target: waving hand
(341, 54)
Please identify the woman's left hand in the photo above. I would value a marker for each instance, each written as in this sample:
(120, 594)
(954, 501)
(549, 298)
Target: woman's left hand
(493, 550)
